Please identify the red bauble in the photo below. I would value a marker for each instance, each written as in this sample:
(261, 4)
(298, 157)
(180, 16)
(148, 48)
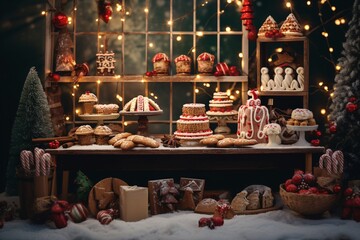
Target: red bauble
(332, 128)
(218, 221)
(60, 20)
(351, 107)
(352, 99)
(105, 10)
(315, 142)
(348, 192)
(336, 188)
(252, 35)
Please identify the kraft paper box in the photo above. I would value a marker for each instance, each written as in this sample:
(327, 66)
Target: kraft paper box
(133, 203)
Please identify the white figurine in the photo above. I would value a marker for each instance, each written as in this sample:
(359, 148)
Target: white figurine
(264, 78)
(278, 79)
(288, 79)
(300, 77)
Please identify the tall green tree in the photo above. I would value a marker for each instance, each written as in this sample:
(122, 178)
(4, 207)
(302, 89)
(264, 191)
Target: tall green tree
(345, 112)
(32, 121)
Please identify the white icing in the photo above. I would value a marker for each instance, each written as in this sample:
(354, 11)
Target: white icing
(301, 114)
(182, 121)
(196, 118)
(194, 105)
(272, 128)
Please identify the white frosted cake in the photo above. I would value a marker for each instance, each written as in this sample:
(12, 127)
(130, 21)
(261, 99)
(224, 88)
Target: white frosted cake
(221, 104)
(193, 123)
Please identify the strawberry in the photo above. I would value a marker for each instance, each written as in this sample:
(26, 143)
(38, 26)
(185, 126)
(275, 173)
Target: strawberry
(218, 221)
(346, 213)
(336, 188)
(296, 179)
(291, 188)
(348, 192)
(313, 190)
(304, 191)
(309, 178)
(288, 182)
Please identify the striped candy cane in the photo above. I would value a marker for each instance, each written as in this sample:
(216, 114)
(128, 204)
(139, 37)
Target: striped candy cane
(24, 159)
(339, 157)
(47, 160)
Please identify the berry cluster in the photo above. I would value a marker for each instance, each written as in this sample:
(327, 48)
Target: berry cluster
(274, 34)
(304, 183)
(54, 144)
(151, 73)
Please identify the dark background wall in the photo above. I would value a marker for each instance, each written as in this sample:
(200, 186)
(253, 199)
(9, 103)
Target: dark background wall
(22, 46)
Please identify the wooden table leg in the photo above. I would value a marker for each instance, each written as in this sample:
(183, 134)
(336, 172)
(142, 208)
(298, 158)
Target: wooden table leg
(308, 162)
(65, 185)
(53, 184)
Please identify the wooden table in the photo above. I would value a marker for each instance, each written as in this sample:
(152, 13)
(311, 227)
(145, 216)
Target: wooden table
(182, 158)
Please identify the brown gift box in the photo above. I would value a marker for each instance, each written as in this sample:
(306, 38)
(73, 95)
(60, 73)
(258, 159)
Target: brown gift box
(133, 203)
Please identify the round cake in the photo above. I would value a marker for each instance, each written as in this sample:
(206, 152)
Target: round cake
(205, 63)
(88, 101)
(141, 104)
(301, 117)
(161, 63)
(106, 108)
(183, 65)
(221, 103)
(193, 123)
(84, 134)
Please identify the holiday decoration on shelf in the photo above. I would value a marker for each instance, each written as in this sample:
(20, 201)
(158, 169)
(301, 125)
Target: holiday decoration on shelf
(60, 20)
(105, 64)
(134, 204)
(33, 110)
(54, 144)
(191, 191)
(163, 196)
(344, 111)
(54, 77)
(291, 26)
(84, 185)
(268, 26)
(247, 16)
(170, 141)
(151, 73)
(104, 10)
(106, 216)
(64, 61)
(222, 69)
(80, 70)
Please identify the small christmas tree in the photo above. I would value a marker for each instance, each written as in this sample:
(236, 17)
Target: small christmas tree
(32, 121)
(345, 115)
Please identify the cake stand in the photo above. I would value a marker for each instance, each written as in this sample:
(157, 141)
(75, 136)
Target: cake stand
(221, 118)
(99, 117)
(302, 129)
(142, 120)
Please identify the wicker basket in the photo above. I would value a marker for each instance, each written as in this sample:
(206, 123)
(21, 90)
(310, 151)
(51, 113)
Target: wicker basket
(308, 204)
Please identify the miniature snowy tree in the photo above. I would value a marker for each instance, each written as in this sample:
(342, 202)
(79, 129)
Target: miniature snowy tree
(32, 121)
(345, 114)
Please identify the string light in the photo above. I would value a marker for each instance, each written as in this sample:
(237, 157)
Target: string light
(337, 22)
(146, 10)
(122, 19)
(178, 38)
(269, 59)
(237, 92)
(241, 55)
(169, 22)
(229, 1)
(152, 94)
(43, 13)
(77, 111)
(118, 7)
(232, 97)
(102, 45)
(119, 37)
(308, 3)
(73, 94)
(326, 88)
(279, 50)
(74, 87)
(127, 13)
(323, 111)
(323, 1)
(98, 81)
(337, 67)
(100, 37)
(67, 118)
(342, 21)
(321, 83)
(331, 49)
(196, 90)
(156, 97)
(119, 97)
(200, 34)
(125, 124)
(288, 4)
(332, 94)
(333, 8)
(96, 20)
(151, 45)
(228, 29)
(325, 34)
(307, 27)
(228, 92)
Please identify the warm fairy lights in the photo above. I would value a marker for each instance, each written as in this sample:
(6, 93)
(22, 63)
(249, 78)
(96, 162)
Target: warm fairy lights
(43, 12)
(98, 81)
(196, 90)
(337, 67)
(279, 50)
(146, 10)
(325, 34)
(237, 92)
(151, 45)
(308, 3)
(241, 55)
(119, 37)
(321, 83)
(200, 34)
(288, 4)
(228, 29)
(67, 118)
(307, 27)
(323, 111)
(118, 97)
(178, 38)
(331, 49)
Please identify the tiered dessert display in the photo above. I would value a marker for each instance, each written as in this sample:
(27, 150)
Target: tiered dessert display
(103, 111)
(252, 118)
(193, 124)
(301, 121)
(143, 107)
(221, 110)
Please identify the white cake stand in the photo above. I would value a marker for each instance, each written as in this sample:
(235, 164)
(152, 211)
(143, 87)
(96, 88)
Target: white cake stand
(99, 117)
(302, 129)
(221, 118)
(142, 120)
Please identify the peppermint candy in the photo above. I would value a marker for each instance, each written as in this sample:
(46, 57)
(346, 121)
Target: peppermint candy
(78, 213)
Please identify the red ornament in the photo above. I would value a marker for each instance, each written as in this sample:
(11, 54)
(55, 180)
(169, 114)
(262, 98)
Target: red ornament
(252, 35)
(54, 77)
(315, 142)
(218, 221)
(348, 192)
(352, 99)
(332, 128)
(351, 107)
(58, 215)
(317, 133)
(336, 188)
(60, 20)
(54, 144)
(105, 10)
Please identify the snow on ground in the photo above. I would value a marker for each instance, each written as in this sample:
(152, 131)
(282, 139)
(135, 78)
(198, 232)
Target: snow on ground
(281, 224)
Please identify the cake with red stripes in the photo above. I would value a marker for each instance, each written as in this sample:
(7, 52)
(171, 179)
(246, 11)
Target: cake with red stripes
(183, 65)
(161, 64)
(205, 63)
(141, 104)
(193, 123)
(221, 103)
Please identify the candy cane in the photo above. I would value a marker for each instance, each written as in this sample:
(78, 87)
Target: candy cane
(334, 164)
(38, 153)
(24, 161)
(339, 157)
(329, 152)
(42, 166)
(321, 160)
(47, 159)
(31, 159)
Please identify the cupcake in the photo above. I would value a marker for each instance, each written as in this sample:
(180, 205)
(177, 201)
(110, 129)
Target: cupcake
(102, 135)
(88, 101)
(84, 134)
(183, 65)
(161, 64)
(205, 63)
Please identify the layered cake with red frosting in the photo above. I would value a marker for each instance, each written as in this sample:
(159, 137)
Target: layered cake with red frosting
(221, 104)
(252, 119)
(205, 63)
(141, 104)
(161, 64)
(291, 26)
(193, 122)
(183, 65)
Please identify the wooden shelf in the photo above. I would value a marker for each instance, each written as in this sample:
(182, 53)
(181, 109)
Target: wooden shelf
(283, 39)
(283, 93)
(141, 78)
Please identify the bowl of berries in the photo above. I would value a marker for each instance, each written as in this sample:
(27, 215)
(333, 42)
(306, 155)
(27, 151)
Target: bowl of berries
(305, 196)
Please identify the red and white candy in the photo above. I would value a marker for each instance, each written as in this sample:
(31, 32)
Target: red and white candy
(223, 68)
(78, 213)
(182, 58)
(159, 57)
(206, 57)
(105, 216)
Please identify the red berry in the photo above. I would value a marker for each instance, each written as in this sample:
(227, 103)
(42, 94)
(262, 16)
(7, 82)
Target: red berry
(318, 133)
(348, 192)
(298, 171)
(291, 188)
(154, 73)
(56, 77)
(309, 178)
(149, 74)
(332, 128)
(336, 188)
(304, 191)
(218, 221)
(218, 74)
(233, 68)
(288, 182)
(296, 179)
(314, 190)
(315, 142)
(204, 222)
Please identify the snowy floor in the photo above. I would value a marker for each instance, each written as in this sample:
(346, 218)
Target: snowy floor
(280, 224)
